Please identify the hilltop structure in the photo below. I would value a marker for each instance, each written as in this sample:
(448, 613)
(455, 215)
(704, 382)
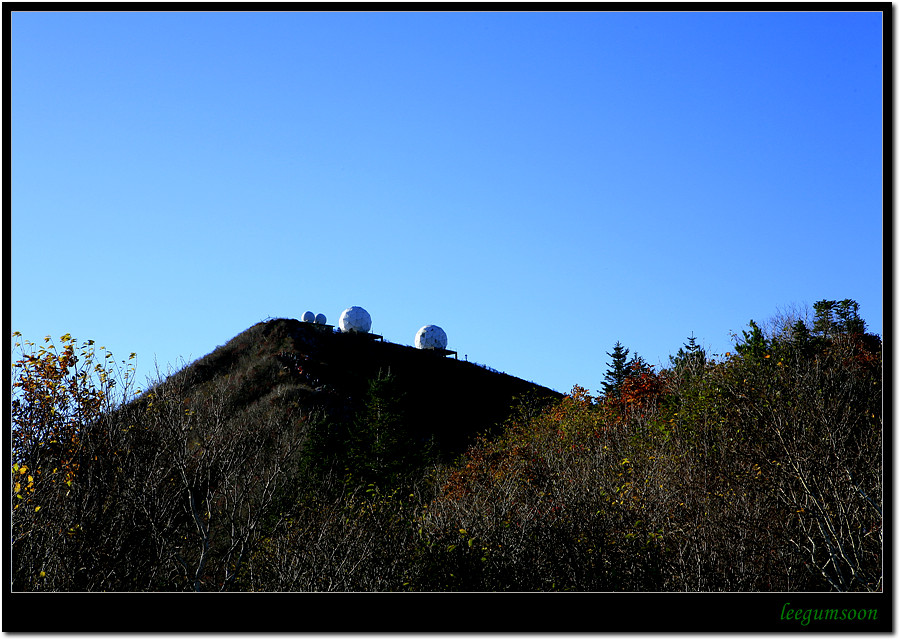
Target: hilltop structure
(327, 373)
(357, 320)
(432, 338)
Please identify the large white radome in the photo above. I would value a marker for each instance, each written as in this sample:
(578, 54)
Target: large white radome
(431, 336)
(355, 319)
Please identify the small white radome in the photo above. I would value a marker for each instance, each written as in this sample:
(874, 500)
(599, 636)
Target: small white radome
(309, 316)
(355, 319)
(320, 318)
(431, 336)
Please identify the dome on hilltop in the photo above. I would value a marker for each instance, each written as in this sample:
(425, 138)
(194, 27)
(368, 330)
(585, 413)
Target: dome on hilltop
(431, 336)
(309, 316)
(355, 319)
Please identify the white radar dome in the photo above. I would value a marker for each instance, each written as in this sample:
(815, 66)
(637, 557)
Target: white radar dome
(431, 336)
(309, 316)
(320, 318)
(355, 319)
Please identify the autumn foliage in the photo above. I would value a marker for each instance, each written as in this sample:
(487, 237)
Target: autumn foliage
(757, 470)
(60, 396)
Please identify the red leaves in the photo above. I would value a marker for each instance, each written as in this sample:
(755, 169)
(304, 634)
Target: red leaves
(641, 388)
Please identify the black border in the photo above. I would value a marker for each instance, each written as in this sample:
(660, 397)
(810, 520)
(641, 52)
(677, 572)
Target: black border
(444, 612)
(441, 612)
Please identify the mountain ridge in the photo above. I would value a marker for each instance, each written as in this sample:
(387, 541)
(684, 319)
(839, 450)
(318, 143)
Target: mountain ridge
(326, 373)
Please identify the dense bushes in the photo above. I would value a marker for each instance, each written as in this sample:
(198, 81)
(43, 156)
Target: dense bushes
(757, 471)
(165, 492)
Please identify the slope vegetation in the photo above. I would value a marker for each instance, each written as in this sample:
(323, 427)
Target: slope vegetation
(327, 375)
(296, 459)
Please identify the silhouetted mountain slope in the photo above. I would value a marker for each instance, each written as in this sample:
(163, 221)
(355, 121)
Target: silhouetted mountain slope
(304, 367)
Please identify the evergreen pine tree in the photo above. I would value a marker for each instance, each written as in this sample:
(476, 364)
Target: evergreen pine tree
(833, 318)
(636, 366)
(691, 358)
(617, 371)
(801, 338)
(824, 324)
(848, 320)
(379, 445)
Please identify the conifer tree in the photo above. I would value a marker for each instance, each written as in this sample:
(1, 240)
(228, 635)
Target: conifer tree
(823, 324)
(801, 338)
(636, 366)
(383, 445)
(837, 317)
(847, 315)
(690, 358)
(617, 371)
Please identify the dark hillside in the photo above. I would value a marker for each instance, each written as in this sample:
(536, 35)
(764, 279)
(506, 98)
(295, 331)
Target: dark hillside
(326, 374)
(191, 484)
(297, 459)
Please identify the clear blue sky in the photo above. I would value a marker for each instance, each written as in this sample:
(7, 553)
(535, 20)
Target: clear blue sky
(541, 185)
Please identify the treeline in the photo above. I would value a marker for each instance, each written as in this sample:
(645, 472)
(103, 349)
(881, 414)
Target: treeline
(756, 470)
